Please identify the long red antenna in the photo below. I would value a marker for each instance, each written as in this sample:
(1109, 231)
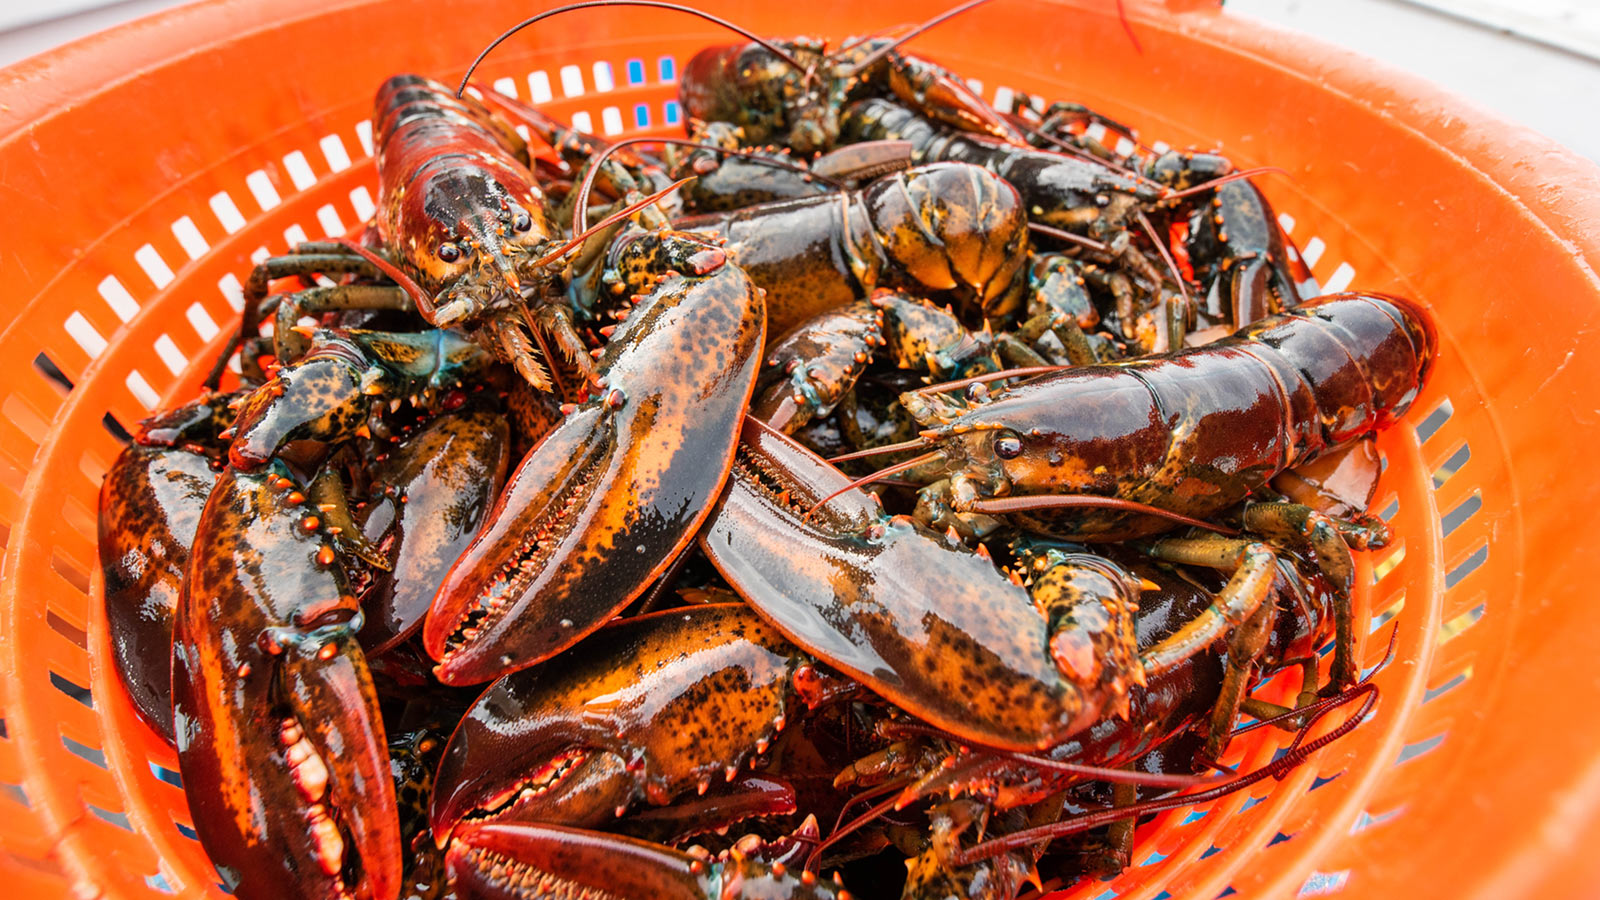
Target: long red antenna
(895, 469)
(887, 48)
(653, 4)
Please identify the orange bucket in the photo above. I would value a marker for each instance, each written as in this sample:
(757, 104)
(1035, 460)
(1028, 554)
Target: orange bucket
(143, 169)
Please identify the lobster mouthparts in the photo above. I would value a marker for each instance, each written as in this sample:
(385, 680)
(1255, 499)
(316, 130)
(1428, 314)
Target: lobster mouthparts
(601, 507)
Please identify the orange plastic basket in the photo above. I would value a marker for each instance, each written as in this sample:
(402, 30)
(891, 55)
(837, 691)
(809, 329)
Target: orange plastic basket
(143, 169)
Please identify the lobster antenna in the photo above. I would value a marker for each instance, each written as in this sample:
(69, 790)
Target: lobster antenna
(619, 215)
(653, 4)
(895, 469)
(888, 48)
(1032, 502)
(1099, 773)
(1218, 182)
(1166, 257)
(1292, 757)
(418, 295)
(1069, 237)
(580, 209)
(913, 444)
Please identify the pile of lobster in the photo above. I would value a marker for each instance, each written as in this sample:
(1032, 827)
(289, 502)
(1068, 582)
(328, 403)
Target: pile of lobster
(1126, 464)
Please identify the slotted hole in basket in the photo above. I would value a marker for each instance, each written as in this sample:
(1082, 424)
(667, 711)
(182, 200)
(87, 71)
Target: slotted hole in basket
(118, 819)
(15, 793)
(66, 629)
(1382, 568)
(115, 428)
(1466, 567)
(159, 882)
(72, 689)
(1321, 883)
(84, 752)
(52, 373)
(1464, 510)
(1459, 625)
(69, 570)
(1456, 681)
(1389, 611)
(1451, 465)
(1418, 748)
(1434, 420)
(93, 467)
(164, 774)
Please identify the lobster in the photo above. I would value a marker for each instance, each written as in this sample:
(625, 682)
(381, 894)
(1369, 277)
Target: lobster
(954, 230)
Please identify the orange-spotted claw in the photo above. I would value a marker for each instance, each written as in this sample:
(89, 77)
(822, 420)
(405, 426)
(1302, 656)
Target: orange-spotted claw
(430, 496)
(924, 621)
(522, 862)
(605, 502)
(655, 708)
(280, 742)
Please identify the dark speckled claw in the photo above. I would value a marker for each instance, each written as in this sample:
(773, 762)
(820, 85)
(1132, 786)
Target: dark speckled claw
(279, 737)
(522, 862)
(928, 623)
(327, 395)
(602, 506)
(651, 708)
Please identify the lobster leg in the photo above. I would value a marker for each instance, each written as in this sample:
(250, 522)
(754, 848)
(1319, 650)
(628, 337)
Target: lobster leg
(1321, 533)
(1254, 566)
(290, 344)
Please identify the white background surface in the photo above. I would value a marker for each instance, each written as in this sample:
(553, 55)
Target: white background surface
(1536, 62)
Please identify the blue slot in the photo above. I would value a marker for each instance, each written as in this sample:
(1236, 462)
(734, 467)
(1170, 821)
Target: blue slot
(641, 115)
(668, 68)
(671, 108)
(636, 71)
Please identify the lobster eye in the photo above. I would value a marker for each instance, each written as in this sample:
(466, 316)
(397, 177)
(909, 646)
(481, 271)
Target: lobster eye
(522, 222)
(1008, 446)
(449, 252)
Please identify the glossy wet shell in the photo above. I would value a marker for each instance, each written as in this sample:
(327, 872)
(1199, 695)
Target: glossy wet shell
(1196, 431)
(603, 504)
(954, 230)
(677, 696)
(254, 584)
(149, 507)
(928, 624)
(437, 488)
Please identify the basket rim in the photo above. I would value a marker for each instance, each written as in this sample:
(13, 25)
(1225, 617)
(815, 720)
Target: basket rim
(39, 87)
(1498, 152)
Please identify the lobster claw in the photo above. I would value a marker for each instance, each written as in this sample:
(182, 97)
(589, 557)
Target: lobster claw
(869, 595)
(601, 507)
(280, 742)
(521, 862)
(579, 740)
